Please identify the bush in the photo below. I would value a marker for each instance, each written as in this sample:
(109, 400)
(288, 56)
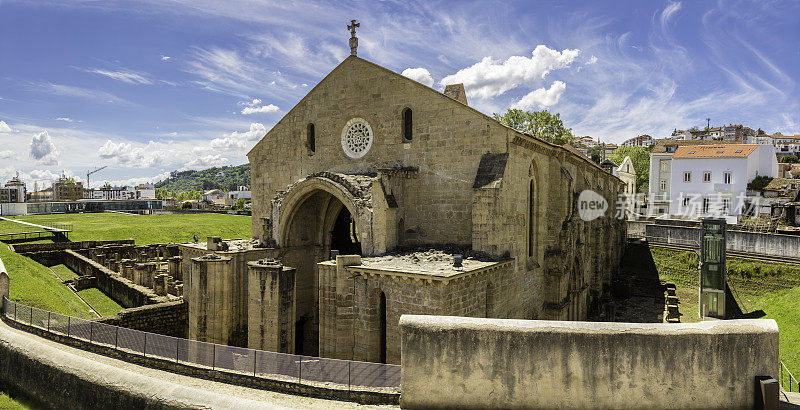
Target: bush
(759, 182)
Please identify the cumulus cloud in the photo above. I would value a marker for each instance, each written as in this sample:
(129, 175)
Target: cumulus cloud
(541, 97)
(43, 150)
(490, 78)
(5, 128)
(205, 161)
(419, 75)
(127, 155)
(240, 140)
(252, 107)
(139, 180)
(65, 119)
(5, 154)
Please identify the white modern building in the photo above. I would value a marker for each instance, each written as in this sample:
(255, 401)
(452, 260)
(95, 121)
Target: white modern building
(639, 141)
(711, 180)
(241, 192)
(146, 191)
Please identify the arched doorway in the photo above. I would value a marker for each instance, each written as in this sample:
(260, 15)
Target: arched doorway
(317, 222)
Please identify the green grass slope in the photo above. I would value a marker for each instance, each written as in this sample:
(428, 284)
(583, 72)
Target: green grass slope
(34, 285)
(100, 302)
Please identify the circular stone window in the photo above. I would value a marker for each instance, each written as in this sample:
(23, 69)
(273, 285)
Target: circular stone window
(356, 138)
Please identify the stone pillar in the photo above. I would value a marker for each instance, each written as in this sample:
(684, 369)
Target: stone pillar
(271, 313)
(126, 269)
(345, 310)
(143, 274)
(100, 258)
(160, 284)
(175, 267)
(179, 290)
(208, 290)
(5, 286)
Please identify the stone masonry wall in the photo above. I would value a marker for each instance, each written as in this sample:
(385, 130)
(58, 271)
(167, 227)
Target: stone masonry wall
(111, 283)
(167, 318)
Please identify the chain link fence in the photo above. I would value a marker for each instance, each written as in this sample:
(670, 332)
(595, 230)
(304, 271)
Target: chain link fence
(258, 363)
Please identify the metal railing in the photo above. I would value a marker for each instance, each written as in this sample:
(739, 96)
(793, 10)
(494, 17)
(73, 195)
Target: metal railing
(787, 380)
(347, 374)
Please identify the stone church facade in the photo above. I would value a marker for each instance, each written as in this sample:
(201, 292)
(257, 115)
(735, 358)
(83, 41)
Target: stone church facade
(398, 177)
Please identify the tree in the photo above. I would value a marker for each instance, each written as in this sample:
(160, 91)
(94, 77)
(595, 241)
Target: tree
(759, 182)
(594, 153)
(640, 157)
(541, 124)
(791, 159)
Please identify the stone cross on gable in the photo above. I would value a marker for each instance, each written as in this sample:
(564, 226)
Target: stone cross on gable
(353, 39)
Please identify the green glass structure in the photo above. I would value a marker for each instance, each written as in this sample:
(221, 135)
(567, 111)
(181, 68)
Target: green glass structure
(712, 268)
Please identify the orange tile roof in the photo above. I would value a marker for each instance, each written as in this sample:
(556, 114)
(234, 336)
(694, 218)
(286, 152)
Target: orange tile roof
(715, 151)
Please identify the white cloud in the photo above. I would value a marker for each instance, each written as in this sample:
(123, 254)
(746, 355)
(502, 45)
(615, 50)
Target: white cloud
(125, 76)
(205, 161)
(591, 60)
(165, 58)
(70, 91)
(43, 150)
(237, 140)
(253, 107)
(127, 155)
(541, 97)
(137, 180)
(419, 75)
(490, 78)
(5, 128)
(263, 108)
(5, 154)
(65, 119)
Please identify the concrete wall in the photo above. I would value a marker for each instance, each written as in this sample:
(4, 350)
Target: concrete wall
(768, 244)
(168, 318)
(454, 362)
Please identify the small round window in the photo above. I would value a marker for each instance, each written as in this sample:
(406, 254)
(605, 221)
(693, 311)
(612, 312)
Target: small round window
(356, 138)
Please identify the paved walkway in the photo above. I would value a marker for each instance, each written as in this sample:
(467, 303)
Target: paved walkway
(165, 387)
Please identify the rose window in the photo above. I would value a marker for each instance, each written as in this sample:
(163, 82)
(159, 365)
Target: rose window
(356, 138)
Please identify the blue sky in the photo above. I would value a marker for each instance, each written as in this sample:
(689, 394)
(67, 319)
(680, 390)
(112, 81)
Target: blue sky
(154, 86)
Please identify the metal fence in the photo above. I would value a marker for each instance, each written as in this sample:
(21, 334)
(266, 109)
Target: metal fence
(258, 363)
(787, 380)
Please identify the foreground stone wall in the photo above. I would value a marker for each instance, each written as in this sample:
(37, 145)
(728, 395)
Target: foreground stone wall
(168, 318)
(455, 362)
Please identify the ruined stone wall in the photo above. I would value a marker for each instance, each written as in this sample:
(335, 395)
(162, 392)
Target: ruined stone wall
(167, 318)
(448, 141)
(116, 287)
(453, 362)
(350, 298)
(566, 258)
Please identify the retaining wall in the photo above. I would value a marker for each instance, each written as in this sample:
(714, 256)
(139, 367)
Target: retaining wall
(60, 246)
(767, 244)
(455, 362)
(168, 318)
(123, 291)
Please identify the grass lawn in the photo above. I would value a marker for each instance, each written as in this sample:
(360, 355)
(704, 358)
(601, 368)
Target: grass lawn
(6, 402)
(771, 287)
(64, 272)
(100, 302)
(147, 229)
(34, 285)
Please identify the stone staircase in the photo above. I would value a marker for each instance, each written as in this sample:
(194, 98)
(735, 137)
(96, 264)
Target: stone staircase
(672, 314)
